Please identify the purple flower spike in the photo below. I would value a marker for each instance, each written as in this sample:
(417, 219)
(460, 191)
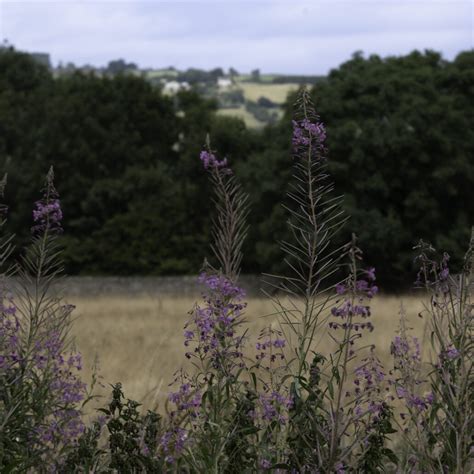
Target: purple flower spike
(451, 353)
(210, 161)
(444, 274)
(47, 214)
(306, 133)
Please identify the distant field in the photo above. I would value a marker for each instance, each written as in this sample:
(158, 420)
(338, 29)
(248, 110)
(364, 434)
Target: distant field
(161, 73)
(246, 116)
(268, 78)
(139, 339)
(275, 92)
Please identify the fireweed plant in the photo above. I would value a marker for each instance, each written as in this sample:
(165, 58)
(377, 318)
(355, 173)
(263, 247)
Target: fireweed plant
(275, 403)
(40, 389)
(438, 411)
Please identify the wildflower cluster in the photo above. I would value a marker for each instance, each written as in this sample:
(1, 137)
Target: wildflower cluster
(210, 161)
(373, 414)
(368, 380)
(273, 407)
(186, 399)
(296, 408)
(307, 133)
(270, 346)
(173, 443)
(433, 274)
(47, 214)
(41, 391)
(405, 350)
(64, 425)
(47, 368)
(212, 327)
(353, 304)
(450, 353)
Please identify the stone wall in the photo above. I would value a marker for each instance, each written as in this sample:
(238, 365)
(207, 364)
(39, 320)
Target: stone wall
(152, 286)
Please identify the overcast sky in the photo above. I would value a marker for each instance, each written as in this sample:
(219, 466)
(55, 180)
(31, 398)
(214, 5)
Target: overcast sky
(306, 37)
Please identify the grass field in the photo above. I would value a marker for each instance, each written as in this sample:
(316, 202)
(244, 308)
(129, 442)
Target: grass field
(275, 92)
(161, 73)
(243, 114)
(139, 340)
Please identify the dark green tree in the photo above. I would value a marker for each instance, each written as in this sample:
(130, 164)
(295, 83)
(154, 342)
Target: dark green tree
(400, 149)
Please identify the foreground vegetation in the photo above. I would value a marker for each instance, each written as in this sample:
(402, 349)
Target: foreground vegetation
(277, 401)
(138, 339)
(399, 131)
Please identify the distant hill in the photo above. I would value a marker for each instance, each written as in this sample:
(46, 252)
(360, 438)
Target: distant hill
(254, 97)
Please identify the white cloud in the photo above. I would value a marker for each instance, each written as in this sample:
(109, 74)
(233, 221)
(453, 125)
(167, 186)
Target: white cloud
(277, 36)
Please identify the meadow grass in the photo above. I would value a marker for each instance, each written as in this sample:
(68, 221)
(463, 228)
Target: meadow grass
(275, 92)
(243, 114)
(138, 340)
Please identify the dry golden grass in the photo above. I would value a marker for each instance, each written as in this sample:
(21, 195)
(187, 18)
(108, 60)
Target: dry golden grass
(275, 92)
(243, 114)
(139, 340)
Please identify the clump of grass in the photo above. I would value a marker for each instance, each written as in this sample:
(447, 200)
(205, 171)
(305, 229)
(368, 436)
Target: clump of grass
(293, 406)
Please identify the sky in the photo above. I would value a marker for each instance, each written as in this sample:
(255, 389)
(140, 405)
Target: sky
(289, 37)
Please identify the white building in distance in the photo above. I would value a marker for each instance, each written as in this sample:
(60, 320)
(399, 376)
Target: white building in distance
(172, 87)
(224, 83)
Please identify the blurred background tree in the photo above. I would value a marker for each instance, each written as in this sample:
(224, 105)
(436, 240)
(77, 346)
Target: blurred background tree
(136, 201)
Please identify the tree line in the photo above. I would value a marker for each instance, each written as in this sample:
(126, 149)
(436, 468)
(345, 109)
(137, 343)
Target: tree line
(136, 200)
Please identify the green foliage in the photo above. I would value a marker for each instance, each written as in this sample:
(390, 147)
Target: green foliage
(262, 112)
(401, 149)
(120, 440)
(133, 155)
(235, 413)
(133, 439)
(376, 453)
(125, 155)
(41, 394)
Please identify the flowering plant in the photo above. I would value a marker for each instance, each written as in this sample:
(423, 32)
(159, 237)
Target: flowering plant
(289, 406)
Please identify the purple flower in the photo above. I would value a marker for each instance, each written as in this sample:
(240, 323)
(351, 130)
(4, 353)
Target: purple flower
(274, 406)
(370, 273)
(173, 442)
(210, 161)
(47, 214)
(279, 343)
(451, 353)
(213, 327)
(187, 398)
(373, 290)
(444, 274)
(270, 339)
(306, 133)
